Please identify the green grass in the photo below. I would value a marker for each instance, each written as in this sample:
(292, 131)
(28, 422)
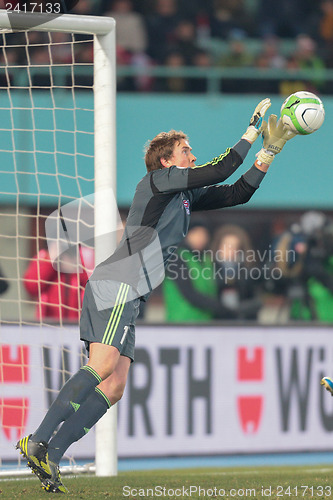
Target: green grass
(259, 483)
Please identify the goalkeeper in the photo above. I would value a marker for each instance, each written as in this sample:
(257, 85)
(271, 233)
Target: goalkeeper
(164, 199)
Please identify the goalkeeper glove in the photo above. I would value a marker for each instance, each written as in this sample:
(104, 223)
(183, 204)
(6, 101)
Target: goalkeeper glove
(256, 123)
(275, 136)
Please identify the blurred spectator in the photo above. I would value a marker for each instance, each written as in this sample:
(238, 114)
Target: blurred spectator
(173, 83)
(132, 43)
(189, 10)
(131, 31)
(203, 26)
(143, 82)
(59, 291)
(237, 279)
(271, 51)
(226, 16)
(305, 261)
(83, 54)
(238, 54)
(306, 53)
(61, 48)
(148, 31)
(86, 8)
(287, 87)
(161, 28)
(307, 58)
(269, 57)
(285, 18)
(39, 55)
(3, 283)
(326, 23)
(195, 10)
(185, 41)
(202, 60)
(189, 289)
(264, 61)
(325, 28)
(124, 83)
(8, 58)
(329, 64)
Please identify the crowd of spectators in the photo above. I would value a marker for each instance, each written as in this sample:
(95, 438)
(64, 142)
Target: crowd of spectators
(210, 276)
(205, 33)
(216, 273)
(210, 33)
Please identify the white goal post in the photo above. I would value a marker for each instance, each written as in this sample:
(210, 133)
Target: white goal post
(104, 88)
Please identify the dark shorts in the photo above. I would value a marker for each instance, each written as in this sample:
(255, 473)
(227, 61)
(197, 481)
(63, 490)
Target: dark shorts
(113, 326)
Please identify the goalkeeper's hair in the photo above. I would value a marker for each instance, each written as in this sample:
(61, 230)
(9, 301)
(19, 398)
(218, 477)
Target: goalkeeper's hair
(162, 146)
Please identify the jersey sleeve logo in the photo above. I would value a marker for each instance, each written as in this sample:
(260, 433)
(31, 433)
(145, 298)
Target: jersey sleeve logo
(186, 204)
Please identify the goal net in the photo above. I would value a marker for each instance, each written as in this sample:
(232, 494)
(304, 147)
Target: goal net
(57, 161)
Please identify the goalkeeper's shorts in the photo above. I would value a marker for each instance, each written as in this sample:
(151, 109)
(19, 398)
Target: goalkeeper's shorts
(114, 325)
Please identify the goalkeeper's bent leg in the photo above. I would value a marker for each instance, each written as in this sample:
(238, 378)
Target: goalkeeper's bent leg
(77, 426)
(90, 411)
(76, 390)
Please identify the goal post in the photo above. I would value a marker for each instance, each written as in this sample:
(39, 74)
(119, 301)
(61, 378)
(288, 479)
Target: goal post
(105, 222)
(104, 90)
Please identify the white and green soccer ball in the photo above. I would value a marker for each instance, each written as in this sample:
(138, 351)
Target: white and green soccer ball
(303, 113)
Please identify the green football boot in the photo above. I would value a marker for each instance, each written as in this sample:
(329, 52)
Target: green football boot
(54, 483)
(36, 455)
(328, 384)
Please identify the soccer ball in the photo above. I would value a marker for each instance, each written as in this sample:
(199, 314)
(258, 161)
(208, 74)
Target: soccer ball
(303, 113)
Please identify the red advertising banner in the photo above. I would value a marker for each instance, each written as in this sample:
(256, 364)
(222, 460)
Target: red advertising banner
(191, 390)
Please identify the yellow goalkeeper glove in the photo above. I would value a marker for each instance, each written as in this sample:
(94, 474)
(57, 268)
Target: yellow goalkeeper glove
(275, 136)
(256, 123)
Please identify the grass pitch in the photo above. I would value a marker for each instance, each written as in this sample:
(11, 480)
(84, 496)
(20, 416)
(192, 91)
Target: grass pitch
(256, 483)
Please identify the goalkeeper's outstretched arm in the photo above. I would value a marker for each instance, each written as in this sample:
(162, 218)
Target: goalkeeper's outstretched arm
(275, 136)
(173, 179)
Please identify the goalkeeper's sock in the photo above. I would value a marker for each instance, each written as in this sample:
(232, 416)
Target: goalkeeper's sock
(78, 424)
(76, 390)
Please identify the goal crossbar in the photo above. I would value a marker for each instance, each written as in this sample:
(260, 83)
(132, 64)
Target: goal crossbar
(68, 23)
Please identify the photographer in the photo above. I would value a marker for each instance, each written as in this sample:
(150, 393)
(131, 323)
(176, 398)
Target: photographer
(306, 264)
(236, 285)
(190, 289)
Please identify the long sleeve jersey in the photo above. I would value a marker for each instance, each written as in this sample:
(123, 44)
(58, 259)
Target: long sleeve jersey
(159, 216)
